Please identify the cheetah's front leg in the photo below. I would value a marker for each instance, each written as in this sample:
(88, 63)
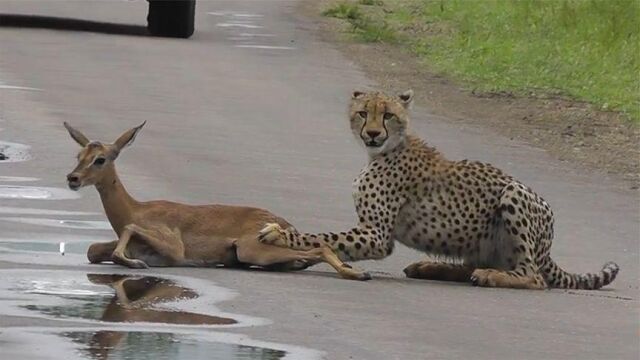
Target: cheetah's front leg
(275, 235)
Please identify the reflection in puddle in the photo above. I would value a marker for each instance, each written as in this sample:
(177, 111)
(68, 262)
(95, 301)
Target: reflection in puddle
(135, 300)
(13, 152)
(78, 297)
(71, 224)
(132, 345)
(35, 193)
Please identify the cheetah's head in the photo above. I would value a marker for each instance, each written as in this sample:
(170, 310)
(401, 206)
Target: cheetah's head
(380, 120)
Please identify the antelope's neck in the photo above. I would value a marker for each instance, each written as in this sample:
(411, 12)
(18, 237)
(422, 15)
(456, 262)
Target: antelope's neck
(118, 204)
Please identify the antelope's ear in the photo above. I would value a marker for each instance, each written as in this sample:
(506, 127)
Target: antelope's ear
(76, 135)
(357, 94)
(127, 137)
(406, 98)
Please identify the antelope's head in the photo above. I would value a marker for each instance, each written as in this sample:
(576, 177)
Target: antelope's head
(95, 159)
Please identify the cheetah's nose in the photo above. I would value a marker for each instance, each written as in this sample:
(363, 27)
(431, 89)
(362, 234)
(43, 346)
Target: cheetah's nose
(373, 133)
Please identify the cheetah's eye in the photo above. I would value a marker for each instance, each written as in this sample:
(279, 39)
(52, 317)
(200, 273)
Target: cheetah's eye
(388, 116)
(99, 161)
(362, 114)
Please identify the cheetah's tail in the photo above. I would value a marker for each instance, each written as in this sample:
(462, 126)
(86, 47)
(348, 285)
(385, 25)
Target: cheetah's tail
(558, 278)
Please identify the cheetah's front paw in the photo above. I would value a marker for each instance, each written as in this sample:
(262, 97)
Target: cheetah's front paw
(273, 234)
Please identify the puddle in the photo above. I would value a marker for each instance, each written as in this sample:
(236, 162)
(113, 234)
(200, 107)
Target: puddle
(5, 86)
(70, 224)
(143, 343)
(17, 179)
(132, 345)
(14, 152)
(239, 25)
(44, 249)
(234, 14)
(79, 248)
(123, 299)
(35, 193)
(135, 299)
(255, 35)
(127, 317)
(13, 87)
(31, 211)
(266, 47)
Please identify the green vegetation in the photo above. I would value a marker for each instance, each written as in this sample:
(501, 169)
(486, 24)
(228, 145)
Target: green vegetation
(365, 27)
(585, 49)
(344, 10)
(371, 2)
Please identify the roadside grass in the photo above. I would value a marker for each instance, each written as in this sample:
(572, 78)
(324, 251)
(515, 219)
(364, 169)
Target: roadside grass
(365, 27)
(371, 2)
(588, 50)
(344, 10)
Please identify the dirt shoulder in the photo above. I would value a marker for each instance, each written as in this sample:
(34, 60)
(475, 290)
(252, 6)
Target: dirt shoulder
(569, 130)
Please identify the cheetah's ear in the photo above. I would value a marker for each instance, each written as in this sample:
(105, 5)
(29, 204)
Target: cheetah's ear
(406, 98)
(357, 94)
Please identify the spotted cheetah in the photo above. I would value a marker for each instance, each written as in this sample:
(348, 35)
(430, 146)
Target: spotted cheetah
(497, 230)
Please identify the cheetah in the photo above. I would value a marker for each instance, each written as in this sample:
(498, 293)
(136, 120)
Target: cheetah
(480, 224)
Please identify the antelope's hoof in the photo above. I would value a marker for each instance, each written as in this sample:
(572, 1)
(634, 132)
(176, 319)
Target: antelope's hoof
(137, 264)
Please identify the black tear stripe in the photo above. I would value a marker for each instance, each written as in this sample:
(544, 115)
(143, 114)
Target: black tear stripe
(362, 129)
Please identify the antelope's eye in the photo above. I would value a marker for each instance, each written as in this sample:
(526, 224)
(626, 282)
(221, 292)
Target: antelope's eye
(388, 116)
(362, 114)
(99, 161)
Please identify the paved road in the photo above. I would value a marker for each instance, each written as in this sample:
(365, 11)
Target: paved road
(231, 121)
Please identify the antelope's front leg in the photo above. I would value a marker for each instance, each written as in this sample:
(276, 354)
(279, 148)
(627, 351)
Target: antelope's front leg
(165, 241)
(118, 256)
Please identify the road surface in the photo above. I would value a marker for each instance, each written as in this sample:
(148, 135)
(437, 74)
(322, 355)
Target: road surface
(251, 110)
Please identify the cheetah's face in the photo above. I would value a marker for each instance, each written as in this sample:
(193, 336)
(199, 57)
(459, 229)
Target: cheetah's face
(378, 120)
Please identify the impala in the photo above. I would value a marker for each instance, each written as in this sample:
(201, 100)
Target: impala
(164, 233)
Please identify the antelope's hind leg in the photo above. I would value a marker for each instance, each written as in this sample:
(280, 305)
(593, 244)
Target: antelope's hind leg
(166, 242)
(101, 251)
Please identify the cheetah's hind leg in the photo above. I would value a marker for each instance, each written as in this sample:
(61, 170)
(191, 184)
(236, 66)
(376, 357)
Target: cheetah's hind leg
(515, 232)
(430, 270)
(507, 279)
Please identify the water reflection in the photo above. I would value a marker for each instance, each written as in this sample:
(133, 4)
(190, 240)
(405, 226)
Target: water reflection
(135, 300)
(133, 345)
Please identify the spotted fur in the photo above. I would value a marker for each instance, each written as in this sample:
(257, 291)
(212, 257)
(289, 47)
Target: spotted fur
(497, 230)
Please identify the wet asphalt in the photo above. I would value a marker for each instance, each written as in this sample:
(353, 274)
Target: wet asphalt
(251, 110)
